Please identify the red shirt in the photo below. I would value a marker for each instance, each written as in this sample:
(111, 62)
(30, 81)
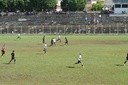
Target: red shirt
(3, 48)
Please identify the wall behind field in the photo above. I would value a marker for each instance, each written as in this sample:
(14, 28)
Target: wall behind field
(63, 23)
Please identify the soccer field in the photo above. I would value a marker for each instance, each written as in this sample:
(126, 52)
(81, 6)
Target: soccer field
(103, 57)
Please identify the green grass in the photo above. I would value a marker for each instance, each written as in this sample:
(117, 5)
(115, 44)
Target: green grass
(103, 57)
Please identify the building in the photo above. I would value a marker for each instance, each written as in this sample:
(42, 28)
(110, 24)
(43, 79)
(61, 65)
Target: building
(58, 6)
(108, 3)
(89, 4)
(120, 6)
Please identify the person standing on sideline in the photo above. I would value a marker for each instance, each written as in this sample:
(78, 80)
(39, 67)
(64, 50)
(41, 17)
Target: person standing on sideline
(66, 41)
(18, 36)
(3, 50)
(59, 38)
(43, 39)
(45, 47)
(126, 59)
(80, 60)
(13, 57)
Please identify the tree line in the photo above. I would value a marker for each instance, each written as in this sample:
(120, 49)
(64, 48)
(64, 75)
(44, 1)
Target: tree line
(27, 5)
(39, 5)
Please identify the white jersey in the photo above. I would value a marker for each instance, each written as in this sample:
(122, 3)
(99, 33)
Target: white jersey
(45, 46)
(18, 35)
(59, 37)
(80, 58)
(54, 40)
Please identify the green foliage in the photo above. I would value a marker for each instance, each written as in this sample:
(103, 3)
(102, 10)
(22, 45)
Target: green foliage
(81, 4)
(3, 4)
(38, 5)
(64, 5)
(98, 6)
(49, 4)
(73, 5)
(29, 5)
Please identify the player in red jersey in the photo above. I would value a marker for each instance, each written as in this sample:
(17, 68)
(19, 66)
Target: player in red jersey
(3, 50)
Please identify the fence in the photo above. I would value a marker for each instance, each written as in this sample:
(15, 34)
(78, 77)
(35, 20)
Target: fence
(66, 29)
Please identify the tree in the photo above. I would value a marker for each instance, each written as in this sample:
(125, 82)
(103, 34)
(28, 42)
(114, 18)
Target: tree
(81, 4)
(2, 5)
(36, 5)
(27, 5)
(19, 5)
(98, 6)
(49, 4)
(13, 5)
(74, 5)
(64, 5)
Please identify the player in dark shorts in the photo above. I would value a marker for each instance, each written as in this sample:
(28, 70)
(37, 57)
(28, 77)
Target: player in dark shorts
(45, 47)
(80, 60)
(43, 39)
(59, 38)
(66, 41)
(18, 36)
(126, 59)
(51, 42)
(3, 50)
(13, 57)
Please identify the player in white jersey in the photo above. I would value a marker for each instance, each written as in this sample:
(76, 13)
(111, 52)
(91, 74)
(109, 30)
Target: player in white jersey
(59, 38)
(18, 36)
(45, 47)
(54, 41)
(80, 60)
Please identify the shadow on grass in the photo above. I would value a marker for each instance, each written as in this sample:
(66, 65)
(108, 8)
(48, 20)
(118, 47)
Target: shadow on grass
(62, 45)
(40, 53)
(5, 63)
(50, 45)
(70, 67)
(119, 64)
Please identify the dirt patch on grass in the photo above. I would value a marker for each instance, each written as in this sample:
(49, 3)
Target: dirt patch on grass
(16, 77)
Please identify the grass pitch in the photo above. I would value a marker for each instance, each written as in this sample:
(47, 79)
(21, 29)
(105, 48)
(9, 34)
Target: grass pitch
(103, 58)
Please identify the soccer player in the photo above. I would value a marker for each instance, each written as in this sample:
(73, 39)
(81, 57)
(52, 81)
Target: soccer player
(45, 47)
(54, 41)
(80, 60)
(3, 50)
(66, 41)
(18, 36)
(13, 57)
(51, 42)
(126, 59)
(59, 38)
(43, 39)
